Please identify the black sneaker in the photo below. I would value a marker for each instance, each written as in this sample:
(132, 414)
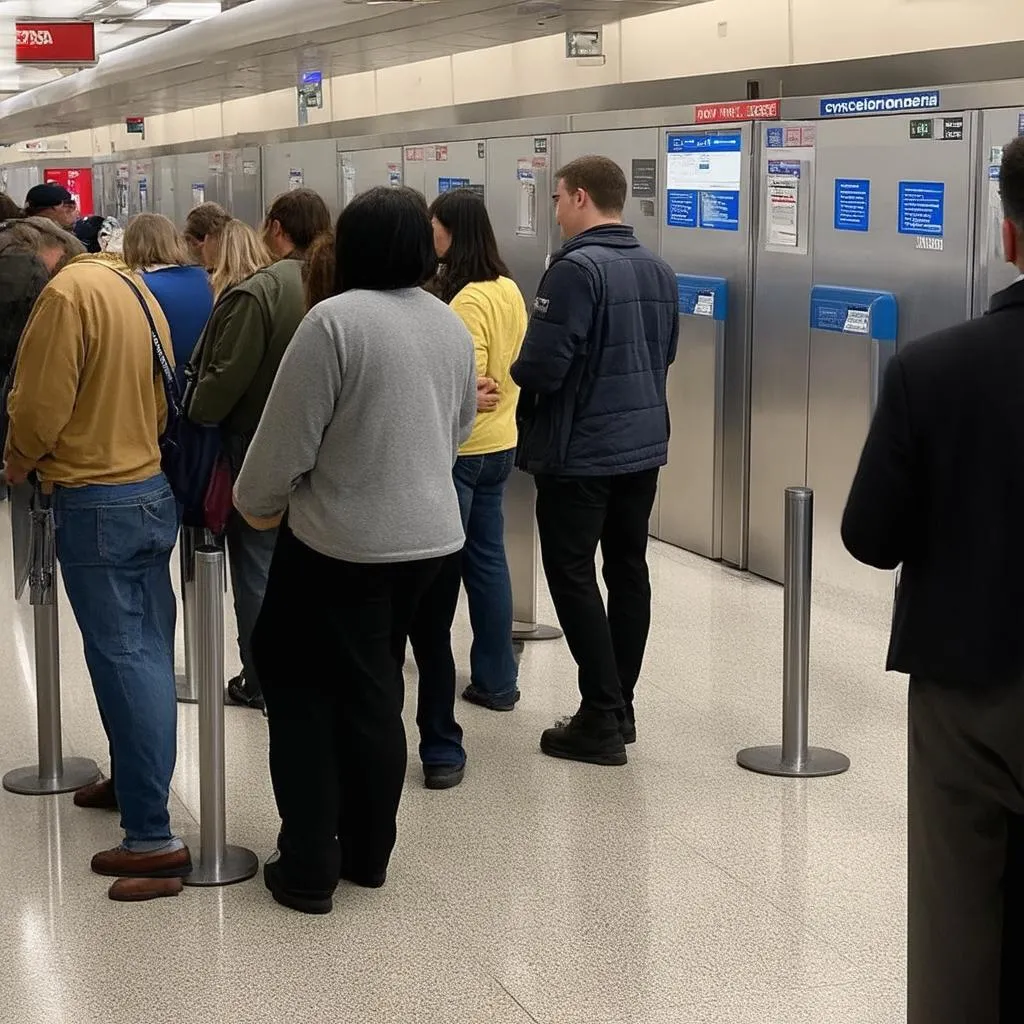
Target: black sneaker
(485, 700)
(593, 737)
(306, 902)
(442, 776)
(241, 694)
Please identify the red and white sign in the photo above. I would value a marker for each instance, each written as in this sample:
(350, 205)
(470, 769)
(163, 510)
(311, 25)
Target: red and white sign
(748, 110)
(78, 181)
(55, 42)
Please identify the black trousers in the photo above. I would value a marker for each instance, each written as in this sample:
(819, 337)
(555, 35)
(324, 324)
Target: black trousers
(965, 937)
(328, 644)
(574, 516)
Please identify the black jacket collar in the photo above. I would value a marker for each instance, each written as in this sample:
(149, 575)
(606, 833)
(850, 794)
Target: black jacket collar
(1012, 296)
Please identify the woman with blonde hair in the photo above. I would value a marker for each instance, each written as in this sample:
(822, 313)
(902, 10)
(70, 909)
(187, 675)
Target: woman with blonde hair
(260, 303)
(155, 249)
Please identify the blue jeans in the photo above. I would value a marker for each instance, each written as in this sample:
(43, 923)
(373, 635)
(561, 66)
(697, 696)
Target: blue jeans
(250, 553)
(480, 481)
(114, 544)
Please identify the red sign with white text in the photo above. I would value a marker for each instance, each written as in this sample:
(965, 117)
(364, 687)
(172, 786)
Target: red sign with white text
(78, 181)
(55, 42)
(748, 110)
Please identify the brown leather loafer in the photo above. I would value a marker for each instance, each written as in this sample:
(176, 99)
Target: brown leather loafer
(98, 796)
(122, 863)
(138, 890)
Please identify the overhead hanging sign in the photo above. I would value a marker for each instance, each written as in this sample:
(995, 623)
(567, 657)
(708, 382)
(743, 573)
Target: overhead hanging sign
(135, 125)
(880, 103)
(584, 43)
(756, 110)
(51, 43)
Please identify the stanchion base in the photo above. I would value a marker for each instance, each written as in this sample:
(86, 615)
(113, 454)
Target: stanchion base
(186, 693)
(238, 865)
(78, 772)
(537, 631)
(768, 761)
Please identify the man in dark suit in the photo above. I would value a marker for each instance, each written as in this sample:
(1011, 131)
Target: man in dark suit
(940, 492)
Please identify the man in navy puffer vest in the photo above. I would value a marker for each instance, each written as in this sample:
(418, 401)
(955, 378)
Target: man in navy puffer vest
(594, 433)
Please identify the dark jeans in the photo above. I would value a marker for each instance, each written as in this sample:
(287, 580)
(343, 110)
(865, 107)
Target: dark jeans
(965, 926)
(329, 644)
(480, 483)
(114, 543)
(431, 638)
(249, 555)
(574, 516)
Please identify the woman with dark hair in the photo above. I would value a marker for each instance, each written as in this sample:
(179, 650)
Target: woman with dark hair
(475, 282)
(373, 398)
(260, 302)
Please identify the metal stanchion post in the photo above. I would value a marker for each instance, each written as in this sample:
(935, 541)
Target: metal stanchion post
(54, 773)
(795, 758)
(521, 544)
(185, 683)
(217, 863)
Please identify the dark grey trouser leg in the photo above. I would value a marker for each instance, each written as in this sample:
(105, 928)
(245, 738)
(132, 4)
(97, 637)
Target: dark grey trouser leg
(965, 806)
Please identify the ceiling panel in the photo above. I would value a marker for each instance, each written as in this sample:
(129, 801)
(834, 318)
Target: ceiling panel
(264, 45)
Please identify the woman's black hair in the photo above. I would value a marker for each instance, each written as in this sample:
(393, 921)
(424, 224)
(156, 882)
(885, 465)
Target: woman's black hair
(384, 241)
(473, 254)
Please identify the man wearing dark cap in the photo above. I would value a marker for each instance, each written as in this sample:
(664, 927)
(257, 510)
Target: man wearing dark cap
(53, 202)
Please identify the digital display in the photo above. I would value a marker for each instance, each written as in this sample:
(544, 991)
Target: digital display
(921, 129)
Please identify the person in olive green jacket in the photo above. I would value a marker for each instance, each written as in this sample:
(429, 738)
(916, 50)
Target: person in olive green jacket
(236, 362)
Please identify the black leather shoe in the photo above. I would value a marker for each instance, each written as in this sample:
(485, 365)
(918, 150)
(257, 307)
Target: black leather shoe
(594, 737)
(442, 776)
(304, 901)
(242, 695)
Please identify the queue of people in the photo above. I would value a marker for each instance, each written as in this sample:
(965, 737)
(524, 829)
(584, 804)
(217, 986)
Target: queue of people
(358, 518)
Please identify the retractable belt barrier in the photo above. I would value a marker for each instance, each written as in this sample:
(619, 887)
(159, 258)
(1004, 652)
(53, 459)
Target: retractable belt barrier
(795, 758)
(191, 538)
(37, 566)
(217, 863)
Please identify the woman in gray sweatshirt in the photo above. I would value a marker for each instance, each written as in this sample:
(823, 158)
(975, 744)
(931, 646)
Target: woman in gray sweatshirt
(355, 449)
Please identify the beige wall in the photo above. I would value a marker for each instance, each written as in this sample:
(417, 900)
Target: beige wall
(719, 36)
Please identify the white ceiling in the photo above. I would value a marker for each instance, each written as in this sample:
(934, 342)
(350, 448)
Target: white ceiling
(264, 45)
(118, 23)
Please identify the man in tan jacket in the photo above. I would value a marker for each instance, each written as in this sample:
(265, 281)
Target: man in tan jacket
(86, 412)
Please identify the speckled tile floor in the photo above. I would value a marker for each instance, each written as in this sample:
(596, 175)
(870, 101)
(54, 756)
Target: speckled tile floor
(678, 890)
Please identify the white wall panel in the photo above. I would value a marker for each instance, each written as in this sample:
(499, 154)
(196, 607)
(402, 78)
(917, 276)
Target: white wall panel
(721, 36)
(427, 83)
(354, 95)
(874, 28)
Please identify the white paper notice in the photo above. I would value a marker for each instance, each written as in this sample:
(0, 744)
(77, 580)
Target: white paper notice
(348, 183)
(783, 209)
(526, 211)
(705, 305)
(857, 321)
(705, 172)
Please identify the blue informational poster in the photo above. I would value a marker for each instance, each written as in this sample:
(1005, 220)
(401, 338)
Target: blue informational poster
(775, 138)
(1020, 124)
(720, 211)
(852, 204)
(922, 208)
(703, 180)
(447, 184)
(682, 208)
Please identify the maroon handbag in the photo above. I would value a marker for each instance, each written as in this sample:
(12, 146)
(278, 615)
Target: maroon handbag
(218, 501)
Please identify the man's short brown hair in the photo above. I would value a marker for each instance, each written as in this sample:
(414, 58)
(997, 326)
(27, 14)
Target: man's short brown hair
(206, 219)
(602, 179)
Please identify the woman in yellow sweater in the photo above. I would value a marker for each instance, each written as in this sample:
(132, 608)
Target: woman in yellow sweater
(475, 282)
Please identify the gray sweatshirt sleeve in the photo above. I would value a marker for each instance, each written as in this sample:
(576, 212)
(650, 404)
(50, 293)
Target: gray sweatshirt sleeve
(467, 414)
(298, 411)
